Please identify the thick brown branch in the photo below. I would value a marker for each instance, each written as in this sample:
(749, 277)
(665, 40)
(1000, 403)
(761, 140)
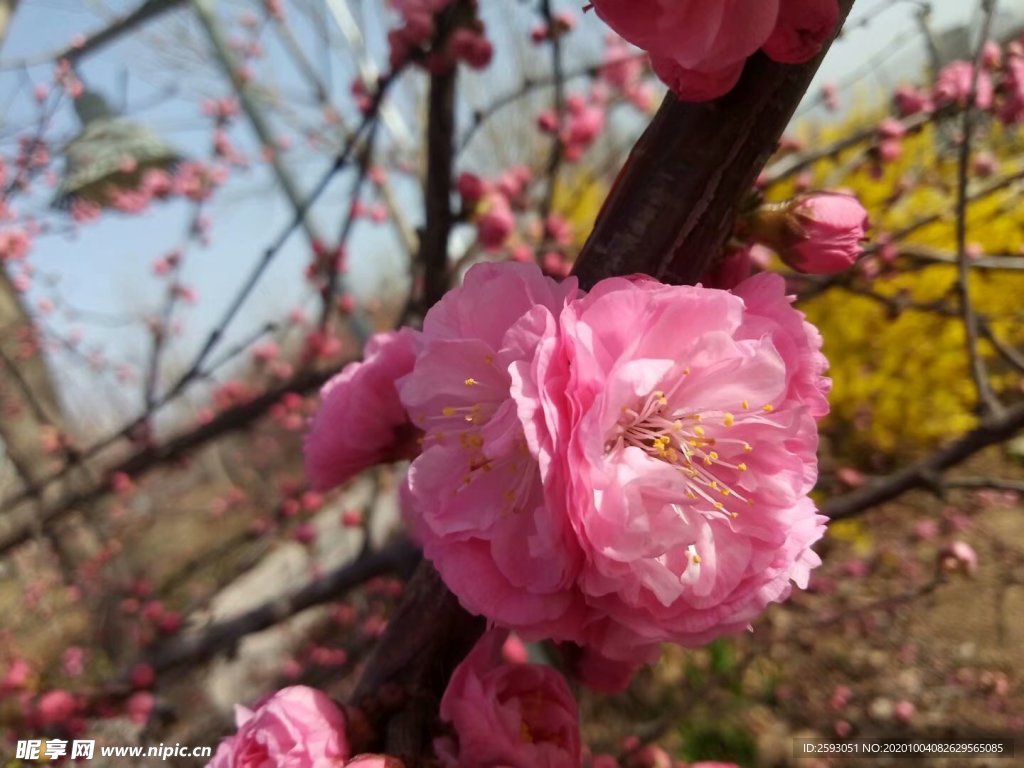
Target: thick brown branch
(426, 639)
(433, 254)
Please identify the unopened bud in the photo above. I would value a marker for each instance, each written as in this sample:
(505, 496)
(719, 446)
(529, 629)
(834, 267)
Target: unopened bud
(819, 233)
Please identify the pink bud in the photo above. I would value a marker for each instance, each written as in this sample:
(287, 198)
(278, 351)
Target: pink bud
(471, 188)
(140, 706)
(494, 227)
(905, 711)
(56, 707)
(832, 227)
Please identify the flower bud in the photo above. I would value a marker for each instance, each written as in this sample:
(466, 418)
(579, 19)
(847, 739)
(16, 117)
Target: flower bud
(819, 233)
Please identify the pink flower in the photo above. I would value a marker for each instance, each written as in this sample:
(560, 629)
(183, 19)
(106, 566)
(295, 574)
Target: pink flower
(374, 761)
(696, 85)
(1012, 109)
(297, 727)
(14, 245)
(829, 230)
(675, 427)
(56, 707)
(954, 86)
(474, 495)
(909, 101)
(694, 33)
(802, 28)
(496, 223)
(516, 716)
(361, 421)
(471, 188)
(699, 48)
(140, 706)
(17, 676)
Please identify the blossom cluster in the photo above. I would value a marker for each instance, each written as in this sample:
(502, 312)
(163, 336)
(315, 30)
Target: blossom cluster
(496, 711)
(699, 48)
(997, 86)
(613, 469)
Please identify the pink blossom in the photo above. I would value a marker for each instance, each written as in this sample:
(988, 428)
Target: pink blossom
(517, 716)
(73, 661)
(802, 28)
(56, 707)
(361, 422)
(905, 710)
(142, 676)
(474, 495)
(696, 85)
(471, 188)
(910, 101)
(1012, 109)
(471, 46)
(584, 128)
(374, 761)
(693, 33)
(17, 676)
(140, 706)
(85, 210)
(683, 459)
(14, 245)
(699, 48)
(953, 86)
(496, 223)
(514, 650)
(157, 182)
(296, 727)
(831, 227)
(830, 96)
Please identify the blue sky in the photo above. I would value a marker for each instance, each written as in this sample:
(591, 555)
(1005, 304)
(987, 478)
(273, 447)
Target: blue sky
(106, 267)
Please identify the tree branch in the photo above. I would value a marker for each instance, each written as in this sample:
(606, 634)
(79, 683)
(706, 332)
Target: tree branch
(926, 472)
(201, 645)
(987, 399)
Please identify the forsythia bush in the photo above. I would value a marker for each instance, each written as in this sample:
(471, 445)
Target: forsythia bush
(901, 380)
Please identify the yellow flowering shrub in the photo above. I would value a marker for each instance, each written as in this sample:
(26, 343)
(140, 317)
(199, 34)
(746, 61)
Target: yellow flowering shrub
(901, 378)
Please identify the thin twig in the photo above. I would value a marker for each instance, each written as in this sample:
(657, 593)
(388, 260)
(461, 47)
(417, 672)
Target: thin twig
(557, 151)
(979, 372)
(927, 472)
(196, 647)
